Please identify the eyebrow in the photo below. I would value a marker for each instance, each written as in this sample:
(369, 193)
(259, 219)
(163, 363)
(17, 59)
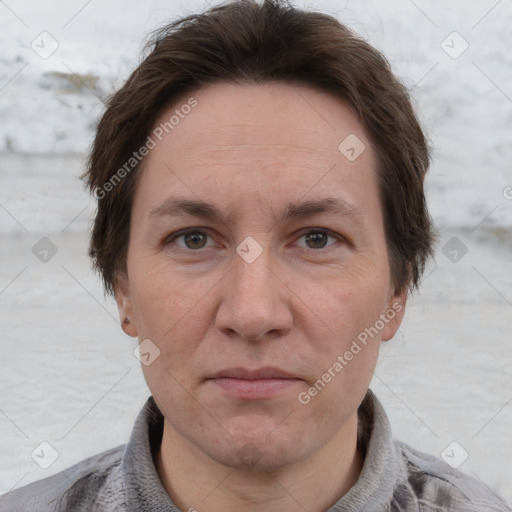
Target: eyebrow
(298, 210)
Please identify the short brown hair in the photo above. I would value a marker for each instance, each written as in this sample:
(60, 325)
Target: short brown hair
(244, 41)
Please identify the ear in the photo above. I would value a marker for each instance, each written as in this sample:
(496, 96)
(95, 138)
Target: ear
(125, 306)
(394, 314)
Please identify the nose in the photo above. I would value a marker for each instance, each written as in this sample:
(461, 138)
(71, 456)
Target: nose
(255, 300)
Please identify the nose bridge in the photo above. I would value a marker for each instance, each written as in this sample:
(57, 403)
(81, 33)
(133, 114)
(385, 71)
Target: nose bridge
(252, 303)
(252, 275)
(252, 268)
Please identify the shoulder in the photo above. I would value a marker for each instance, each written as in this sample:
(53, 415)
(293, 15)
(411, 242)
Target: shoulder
(76, 488)
(433, 485)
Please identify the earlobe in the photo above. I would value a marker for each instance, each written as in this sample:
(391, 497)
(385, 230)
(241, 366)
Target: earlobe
(125, 308)
(394, 315)
(129, 327)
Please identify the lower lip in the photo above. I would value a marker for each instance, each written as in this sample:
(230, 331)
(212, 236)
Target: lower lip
(254, 389)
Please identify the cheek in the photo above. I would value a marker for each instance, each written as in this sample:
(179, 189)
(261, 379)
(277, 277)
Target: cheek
(172, 313)
(170, 308)
(345, 308)
(345, 354)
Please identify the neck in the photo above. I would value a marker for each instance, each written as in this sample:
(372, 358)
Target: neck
(195, 481)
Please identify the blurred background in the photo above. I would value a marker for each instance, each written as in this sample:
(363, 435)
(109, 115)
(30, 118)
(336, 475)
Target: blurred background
(70, 385)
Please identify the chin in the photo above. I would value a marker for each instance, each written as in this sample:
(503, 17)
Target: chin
(257, 452)
(262, 458)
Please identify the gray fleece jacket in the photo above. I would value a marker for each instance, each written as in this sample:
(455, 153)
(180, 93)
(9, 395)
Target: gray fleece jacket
(395, 477)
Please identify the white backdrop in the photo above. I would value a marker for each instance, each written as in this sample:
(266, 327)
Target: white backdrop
(68, 375)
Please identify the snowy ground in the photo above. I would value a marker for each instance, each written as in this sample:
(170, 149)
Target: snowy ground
(68, 373)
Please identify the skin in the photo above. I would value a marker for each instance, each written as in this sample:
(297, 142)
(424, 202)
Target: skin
(250, 150)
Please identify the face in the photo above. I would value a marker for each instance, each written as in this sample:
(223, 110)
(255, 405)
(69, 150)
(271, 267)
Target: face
(282, 269)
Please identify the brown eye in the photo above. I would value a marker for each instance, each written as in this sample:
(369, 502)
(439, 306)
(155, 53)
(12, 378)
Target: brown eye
(195, 240)
(191, 239)
(316, 239)
(319, 238)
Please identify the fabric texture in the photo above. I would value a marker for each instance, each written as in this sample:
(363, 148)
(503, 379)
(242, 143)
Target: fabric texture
(395, 477)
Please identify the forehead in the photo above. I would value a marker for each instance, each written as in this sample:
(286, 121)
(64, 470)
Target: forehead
(273, 114)
(277, 139)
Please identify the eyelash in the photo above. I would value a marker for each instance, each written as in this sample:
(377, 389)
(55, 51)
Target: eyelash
(174, 236)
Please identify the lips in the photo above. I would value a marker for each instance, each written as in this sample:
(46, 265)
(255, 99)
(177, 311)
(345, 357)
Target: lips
(258, 384)
(267, 372)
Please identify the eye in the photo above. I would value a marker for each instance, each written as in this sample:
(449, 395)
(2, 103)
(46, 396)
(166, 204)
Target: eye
(318, 238)
(193, 239)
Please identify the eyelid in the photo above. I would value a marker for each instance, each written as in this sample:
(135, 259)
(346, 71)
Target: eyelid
(182, 232)
(326, 231)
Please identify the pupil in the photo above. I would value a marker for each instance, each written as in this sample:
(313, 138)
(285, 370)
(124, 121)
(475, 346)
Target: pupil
(316, 239)
(194, 238)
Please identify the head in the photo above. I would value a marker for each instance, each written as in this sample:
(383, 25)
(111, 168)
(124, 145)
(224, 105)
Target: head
(260, 204)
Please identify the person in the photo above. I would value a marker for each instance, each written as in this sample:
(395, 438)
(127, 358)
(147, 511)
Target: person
(261, 222)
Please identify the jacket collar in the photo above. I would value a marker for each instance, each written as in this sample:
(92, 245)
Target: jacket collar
(372, 492)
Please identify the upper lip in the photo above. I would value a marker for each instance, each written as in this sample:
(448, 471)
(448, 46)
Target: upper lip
(267, 372)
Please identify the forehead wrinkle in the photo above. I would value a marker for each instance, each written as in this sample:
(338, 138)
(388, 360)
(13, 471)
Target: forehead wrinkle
(231, 147)
(305, 158)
